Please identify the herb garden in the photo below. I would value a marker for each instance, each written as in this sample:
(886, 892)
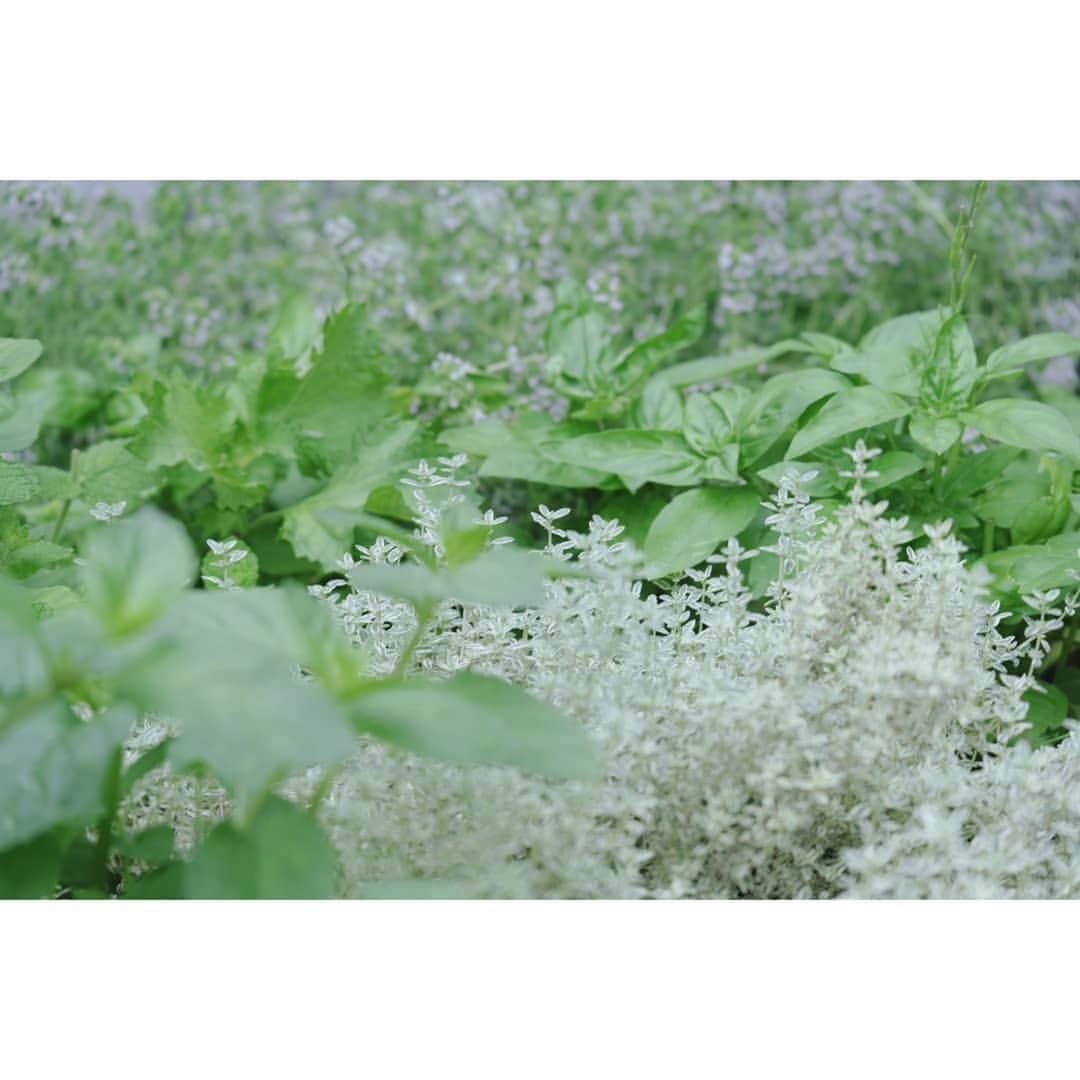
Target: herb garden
(540, 540)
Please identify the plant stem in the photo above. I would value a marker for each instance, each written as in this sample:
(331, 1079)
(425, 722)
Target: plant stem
(67, 502)
(423, 618)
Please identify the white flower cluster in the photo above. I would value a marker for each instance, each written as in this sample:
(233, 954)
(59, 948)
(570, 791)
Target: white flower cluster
(851, 736)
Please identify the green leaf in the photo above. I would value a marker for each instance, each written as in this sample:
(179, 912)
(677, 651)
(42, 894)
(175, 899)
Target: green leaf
(109, 472)
(17, 483)
(343, 395)
(691, 526)
(1047, 709)
(1027, 424)
(636, 456)
(887, 357)
(1033, 567)
(706, 426)
(577, 340)
(294, 331)
(710, 369)
(974, 471)
(500, 577)
(16, 355)
(153, 845)
(321, 526)
(281, 855)
(135, 568)
(1030, 498)
(824, 482)
(53, 770)
(222, 666)
(660, 408)
(845, 413)
(1010, 359)
(891, 468)
(936, 433)
(642, 360)
(472, 719)
(20, 421)
(31, 871)
(779, 403)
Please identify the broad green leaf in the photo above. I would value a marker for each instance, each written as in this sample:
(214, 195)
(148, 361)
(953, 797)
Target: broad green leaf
(891, 468)
(1032, 567)
(294, 331)
(642, 360)
(825, 345)
(706, 426)
(936, 433)
(16, 355)
(691, 526)
(22, 663)
(500, 577)
(31, 871)
(577, 340)
(135, 568)
(281, 855)
(343, 394)
(20, 421)
(1047, 710)
(1027, 424)
(17, 483)
(779, 403)
(321, 526)
(723, 466)
(53, 769)
(636, 456)
(1010, 359)
(710, 369)
(109, 472)
(823, 482)
(845, 413)
(974, 471)
(223, 668)
(472, 719)
(889, 367)
(660, 408)
(522, 451)
(1030, 498)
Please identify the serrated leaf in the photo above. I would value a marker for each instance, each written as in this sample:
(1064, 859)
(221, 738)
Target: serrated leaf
(691, 526)
(17, 483)
(321, 526)
(109, 472)
(472, 719)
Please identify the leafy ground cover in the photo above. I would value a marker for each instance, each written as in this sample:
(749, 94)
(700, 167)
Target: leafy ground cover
(540, 539)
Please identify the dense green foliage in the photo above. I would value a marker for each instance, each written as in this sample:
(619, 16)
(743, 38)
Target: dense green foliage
(207, 402)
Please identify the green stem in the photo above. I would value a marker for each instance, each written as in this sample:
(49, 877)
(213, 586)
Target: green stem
(988, 538)
(322, 789)
(423, 618)
(67, 502)
(108, 821)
